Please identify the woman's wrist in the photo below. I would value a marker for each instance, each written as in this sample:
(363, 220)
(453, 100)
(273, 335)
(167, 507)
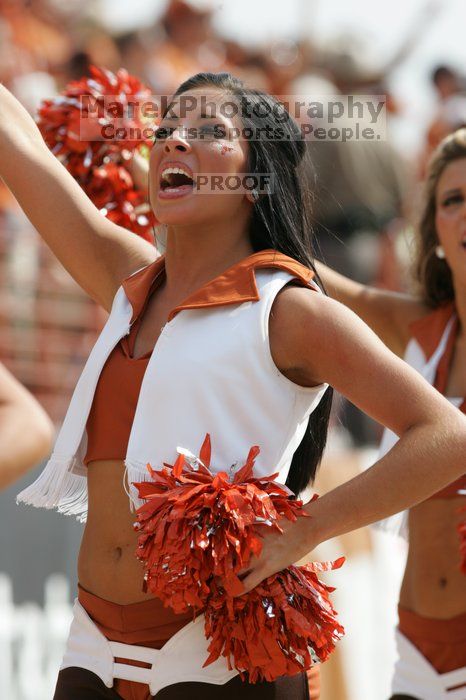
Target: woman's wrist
(311, 531)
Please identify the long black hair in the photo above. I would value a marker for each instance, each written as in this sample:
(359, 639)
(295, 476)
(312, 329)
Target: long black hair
(281, 220)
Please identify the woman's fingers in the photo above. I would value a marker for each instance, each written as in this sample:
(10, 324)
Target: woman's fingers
(252, 580)
(259, 569)
(279, 550)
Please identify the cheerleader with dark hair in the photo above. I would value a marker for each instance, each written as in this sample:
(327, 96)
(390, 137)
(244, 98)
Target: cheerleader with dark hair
(228, 334)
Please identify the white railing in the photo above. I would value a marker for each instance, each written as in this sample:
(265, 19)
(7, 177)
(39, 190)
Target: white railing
(32, 640)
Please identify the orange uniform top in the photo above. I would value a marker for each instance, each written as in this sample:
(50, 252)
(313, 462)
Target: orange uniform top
(428, 331)
(116, 396)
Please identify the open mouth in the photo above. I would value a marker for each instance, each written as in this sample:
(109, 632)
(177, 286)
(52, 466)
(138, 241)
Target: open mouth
(176, 180)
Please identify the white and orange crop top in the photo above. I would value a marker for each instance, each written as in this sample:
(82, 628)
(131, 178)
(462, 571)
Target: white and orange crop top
(211, 371)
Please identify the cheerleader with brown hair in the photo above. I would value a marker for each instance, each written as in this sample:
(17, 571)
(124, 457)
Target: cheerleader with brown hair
(429, 331)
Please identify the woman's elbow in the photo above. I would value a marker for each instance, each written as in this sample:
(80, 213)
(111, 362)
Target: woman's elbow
(43, 434)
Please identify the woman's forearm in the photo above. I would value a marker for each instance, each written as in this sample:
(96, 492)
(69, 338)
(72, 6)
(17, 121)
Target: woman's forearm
(96, 252)
(373, 306)
(25, 439)
(415, 468)
(26, 432)
(342, 288)
(17, 127)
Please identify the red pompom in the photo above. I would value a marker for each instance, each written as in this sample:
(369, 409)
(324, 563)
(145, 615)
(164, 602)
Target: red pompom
(281, 627)
(198, 531)
(74, 130)
(196, 525)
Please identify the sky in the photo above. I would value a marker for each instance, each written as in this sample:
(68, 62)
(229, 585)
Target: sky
(379, 26)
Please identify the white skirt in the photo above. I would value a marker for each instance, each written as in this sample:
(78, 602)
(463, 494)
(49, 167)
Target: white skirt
(88, 648)
(415, 676)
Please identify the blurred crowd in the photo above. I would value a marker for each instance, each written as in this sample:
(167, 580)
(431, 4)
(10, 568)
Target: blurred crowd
(363, 191)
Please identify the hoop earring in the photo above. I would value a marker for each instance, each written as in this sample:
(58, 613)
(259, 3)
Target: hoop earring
(439, 252)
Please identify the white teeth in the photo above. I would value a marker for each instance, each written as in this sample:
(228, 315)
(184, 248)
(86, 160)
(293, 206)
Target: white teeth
(169, 171)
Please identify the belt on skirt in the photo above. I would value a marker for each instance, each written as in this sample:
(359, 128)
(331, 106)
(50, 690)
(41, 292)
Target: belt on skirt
(180, 659)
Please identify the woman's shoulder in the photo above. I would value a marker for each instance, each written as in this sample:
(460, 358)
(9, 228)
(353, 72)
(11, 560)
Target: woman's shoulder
(397, 313)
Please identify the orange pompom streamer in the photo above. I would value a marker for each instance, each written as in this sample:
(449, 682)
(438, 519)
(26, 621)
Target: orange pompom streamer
(198, 532)
(196, 525)
(282, 627)
(78, 127)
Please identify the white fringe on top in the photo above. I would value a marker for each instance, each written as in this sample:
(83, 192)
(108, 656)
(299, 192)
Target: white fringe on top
(63, 483)
(135, 472)
(58, 487)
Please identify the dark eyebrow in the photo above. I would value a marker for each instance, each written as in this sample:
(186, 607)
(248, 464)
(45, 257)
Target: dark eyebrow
(454, 190)
(174, 117)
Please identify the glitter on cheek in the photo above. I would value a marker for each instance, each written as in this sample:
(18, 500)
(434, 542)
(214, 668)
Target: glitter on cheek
(225, 149)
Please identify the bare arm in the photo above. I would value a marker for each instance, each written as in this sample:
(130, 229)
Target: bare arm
(317, 339)
(26, 432)
(387, 313)
(96, 252)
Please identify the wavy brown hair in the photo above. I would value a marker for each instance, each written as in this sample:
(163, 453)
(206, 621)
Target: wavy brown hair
(432, 273)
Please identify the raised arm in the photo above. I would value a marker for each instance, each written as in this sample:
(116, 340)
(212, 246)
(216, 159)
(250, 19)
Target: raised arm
(26, 432)
(96, 252)
(387, 313)
(316, 339)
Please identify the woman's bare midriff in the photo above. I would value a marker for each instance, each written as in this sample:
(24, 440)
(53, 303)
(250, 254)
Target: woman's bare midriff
(433, 585)
(107, 565)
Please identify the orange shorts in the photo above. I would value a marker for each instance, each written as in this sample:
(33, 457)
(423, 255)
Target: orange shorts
(441, 642)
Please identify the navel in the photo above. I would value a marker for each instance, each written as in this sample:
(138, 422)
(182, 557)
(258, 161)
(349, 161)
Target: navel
(117, 552)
